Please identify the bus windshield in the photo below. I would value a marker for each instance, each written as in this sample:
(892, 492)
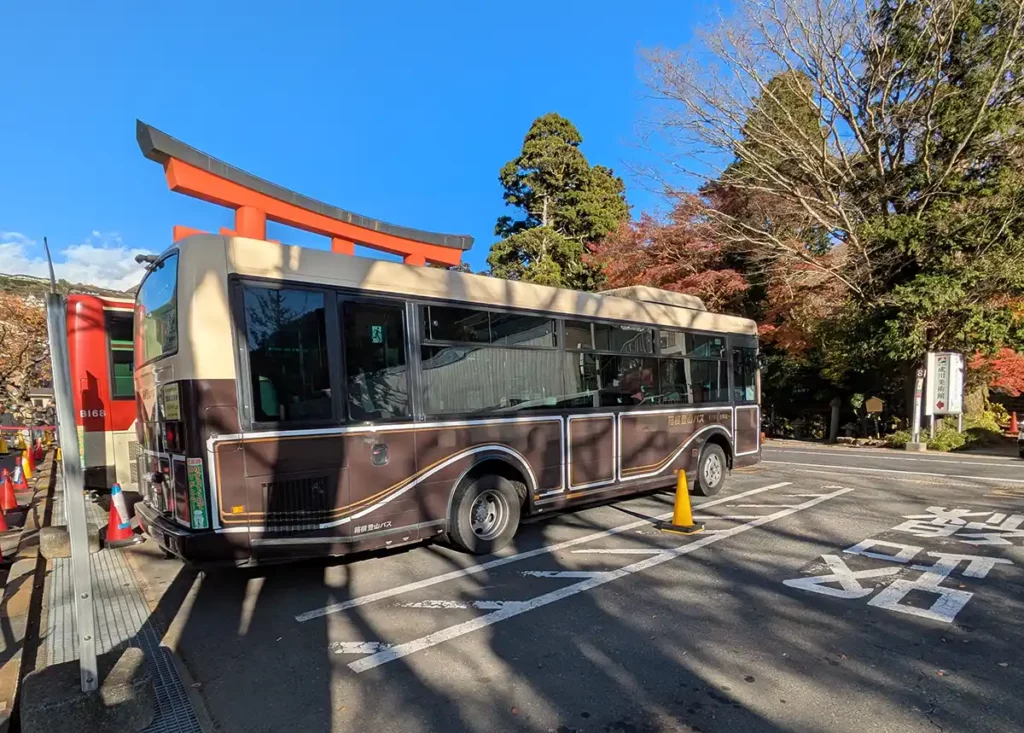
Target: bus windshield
(156, 313)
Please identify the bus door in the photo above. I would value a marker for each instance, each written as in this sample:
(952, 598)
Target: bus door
(745, 395)
(294, 483)
(382, 463)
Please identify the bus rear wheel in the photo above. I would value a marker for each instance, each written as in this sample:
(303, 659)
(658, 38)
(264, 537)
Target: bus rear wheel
(710, 470)
(485, 514)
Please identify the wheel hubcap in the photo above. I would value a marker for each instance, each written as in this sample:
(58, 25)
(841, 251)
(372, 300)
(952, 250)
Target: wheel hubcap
(712, 470)
(488, 515)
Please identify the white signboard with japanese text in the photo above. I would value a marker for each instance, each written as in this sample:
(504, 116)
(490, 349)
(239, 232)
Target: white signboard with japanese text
(944, 394)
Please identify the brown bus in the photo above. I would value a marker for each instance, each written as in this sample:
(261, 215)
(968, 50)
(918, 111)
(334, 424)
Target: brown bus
(296, 403)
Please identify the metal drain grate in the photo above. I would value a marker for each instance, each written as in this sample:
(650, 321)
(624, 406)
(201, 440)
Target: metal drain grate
(123, 619)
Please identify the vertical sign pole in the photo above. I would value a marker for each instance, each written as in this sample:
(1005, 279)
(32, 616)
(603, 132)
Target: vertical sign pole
(74, 491)
(916, 423)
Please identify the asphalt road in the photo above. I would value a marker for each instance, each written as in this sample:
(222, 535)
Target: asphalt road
(835, 590)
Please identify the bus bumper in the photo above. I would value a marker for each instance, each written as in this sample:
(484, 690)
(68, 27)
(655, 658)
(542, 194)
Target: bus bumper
(205, 547)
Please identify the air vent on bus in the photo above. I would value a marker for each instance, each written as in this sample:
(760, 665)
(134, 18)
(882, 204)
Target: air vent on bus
(134, 451)
(297, 504)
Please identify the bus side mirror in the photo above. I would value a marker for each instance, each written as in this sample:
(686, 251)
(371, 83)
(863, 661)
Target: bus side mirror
(762, 362)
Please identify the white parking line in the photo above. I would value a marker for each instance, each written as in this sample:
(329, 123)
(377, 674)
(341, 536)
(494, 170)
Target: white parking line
(992, 460)
(518, 557)
(762, 506)
(438, 637)
(577, 574)
(893, 470)
(357, 647)
(457, 605)
(743, 517)
(624, 551)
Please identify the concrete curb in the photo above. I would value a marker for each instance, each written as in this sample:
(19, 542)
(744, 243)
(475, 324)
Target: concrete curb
(55, 703)
(21, 597)
(862, 449)
(170, 642)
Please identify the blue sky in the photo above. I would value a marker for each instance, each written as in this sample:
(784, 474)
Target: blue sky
(403, 111)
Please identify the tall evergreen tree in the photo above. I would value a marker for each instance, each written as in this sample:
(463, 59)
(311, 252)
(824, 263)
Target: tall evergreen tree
(913, 185)
(564, 203)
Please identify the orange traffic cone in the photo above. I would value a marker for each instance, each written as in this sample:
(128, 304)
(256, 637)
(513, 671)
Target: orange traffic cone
(1014, 428)
(20, 484)
(119, 525)
(8, 500)
(3, 528)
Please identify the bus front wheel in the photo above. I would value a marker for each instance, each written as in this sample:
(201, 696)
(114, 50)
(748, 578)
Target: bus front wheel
(485, 514)
(711, 470)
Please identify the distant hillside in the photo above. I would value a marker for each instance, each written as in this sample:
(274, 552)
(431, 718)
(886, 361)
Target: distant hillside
(29, 286)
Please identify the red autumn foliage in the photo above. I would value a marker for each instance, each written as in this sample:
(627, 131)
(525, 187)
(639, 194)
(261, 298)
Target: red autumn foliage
(24, 352)
(1004, 370)
(676, 254)
(798, 301)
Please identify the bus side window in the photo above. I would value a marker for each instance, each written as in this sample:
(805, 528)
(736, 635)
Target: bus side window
(287, 340)
(744, 374)
(269, 406)
(375, 371)
(122, 355)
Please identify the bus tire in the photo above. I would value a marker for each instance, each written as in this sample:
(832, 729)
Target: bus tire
(485, 514)
(710, 470)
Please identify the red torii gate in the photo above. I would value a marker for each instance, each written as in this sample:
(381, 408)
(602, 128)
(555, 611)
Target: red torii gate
(255, 200)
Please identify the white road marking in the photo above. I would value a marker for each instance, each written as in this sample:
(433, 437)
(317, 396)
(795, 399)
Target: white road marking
(905, 553)
(624, 551)
(358, 647)
(563, 573)
(950, 600)
(849, 580)
(456, 605)
(744, 517)
(805, 496)
(498, 562)
(893, 470)
(762, 506)
(993, 460)
(452, 632)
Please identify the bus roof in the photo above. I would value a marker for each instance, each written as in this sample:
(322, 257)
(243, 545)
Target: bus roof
(263, 259)
(657, 295)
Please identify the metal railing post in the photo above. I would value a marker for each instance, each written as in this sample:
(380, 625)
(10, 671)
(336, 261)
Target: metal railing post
(74, 491)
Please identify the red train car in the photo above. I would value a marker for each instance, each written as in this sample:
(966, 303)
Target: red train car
(102, 363)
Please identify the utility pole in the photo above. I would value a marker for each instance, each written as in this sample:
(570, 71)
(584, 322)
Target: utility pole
(915, 443)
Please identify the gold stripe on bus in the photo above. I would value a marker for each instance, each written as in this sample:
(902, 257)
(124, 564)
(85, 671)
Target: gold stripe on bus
(673, 454)
(340, 512)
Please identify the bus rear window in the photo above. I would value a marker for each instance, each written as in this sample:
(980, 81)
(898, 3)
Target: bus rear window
(156, 313)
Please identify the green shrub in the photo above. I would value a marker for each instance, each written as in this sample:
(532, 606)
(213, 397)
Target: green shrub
(987, 420)
(999, 412)
(982, 428)
(947, 439)
(981, 437)
(899, 439)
